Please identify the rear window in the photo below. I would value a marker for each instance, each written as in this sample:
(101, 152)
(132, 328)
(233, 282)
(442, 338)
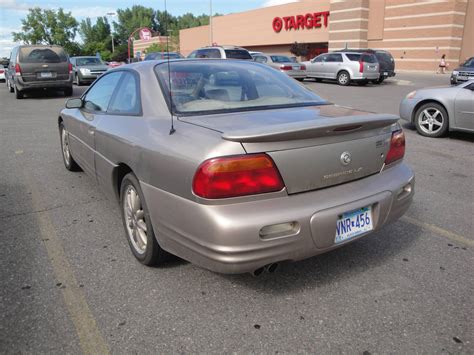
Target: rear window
(280, 59)
(237, 54)
(384, 57)
(369, 58)
(216, 87)
(42, 55)
(353, 57)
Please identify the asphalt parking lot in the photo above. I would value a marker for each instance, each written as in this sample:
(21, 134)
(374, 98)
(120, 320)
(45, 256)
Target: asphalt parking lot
(71, 285)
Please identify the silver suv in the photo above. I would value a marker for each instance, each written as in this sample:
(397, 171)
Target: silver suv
(344, 67)
(222, 52)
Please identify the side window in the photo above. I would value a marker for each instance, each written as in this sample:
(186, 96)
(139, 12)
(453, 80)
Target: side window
(334, 58)
(321, 58)
(98, 97)
(261, 59)
(209, 53)
(193, 54)
(353, 57)
(127, 99)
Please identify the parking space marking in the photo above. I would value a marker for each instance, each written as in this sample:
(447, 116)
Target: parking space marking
(90, 338)
(439, 231)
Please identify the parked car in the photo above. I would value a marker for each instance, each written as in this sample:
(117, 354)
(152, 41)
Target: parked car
(344, 67)
(38, 67)
(257, 170)
(223, 52)
(282, 63)
(114, 64)
(2, 73)
(435, 111)
(464, 72)
(385, 59)
(163, 55)
(87, 68)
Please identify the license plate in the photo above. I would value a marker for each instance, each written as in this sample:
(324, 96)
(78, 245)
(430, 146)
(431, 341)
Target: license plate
(46, 74)
(353, 223)
(296, 67)
(460, 77)
(385, 73)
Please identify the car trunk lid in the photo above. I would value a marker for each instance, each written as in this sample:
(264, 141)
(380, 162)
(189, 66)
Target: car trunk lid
(313, 147)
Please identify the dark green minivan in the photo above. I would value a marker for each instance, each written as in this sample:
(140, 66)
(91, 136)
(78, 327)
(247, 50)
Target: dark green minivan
(39, 67)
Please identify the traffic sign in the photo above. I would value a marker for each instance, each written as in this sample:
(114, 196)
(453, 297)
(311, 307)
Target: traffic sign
(145, 34)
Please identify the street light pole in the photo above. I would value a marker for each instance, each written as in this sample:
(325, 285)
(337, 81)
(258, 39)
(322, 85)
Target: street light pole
(111, 31)
(210, 23)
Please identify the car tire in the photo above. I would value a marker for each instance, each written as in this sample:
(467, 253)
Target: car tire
(343, 78)
(137, 223)
(318, 80)
(431, 120)
(68, 91)
(18, 93)
(77, 80)
(362, 82)
(68, 160)
(380, 81)
(300, 79)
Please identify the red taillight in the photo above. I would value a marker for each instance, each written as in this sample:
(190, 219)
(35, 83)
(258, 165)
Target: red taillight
(361, 67)
(303, 67)
(2, 71)
(397, 147)
(69, 66)
(237, 176)
(286, 67)
(17, 69)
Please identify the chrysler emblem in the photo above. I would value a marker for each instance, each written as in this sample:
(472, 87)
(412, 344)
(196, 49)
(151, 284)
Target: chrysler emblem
(346, 158)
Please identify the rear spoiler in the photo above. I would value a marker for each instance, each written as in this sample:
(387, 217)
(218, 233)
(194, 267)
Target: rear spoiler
(321, 127)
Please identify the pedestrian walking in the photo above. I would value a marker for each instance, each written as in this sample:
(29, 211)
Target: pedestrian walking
(442, 65)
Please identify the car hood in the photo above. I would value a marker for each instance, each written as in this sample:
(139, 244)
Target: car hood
(470, 69)
(94, 67)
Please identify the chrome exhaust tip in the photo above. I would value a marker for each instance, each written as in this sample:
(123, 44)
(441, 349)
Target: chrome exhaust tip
(258, 271)
(271, 268)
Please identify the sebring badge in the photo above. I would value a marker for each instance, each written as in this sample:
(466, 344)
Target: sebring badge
(346, 158)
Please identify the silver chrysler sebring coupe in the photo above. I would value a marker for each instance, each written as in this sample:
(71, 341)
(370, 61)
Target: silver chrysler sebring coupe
(435, 111)
(233, 165)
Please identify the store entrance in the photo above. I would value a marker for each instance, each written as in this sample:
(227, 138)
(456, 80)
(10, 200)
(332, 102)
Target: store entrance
(315, 49)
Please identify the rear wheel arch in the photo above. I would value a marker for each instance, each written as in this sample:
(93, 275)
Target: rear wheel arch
(117, 177)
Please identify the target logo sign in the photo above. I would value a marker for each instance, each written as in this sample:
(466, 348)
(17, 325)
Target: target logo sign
(301, 22)
(145, 34)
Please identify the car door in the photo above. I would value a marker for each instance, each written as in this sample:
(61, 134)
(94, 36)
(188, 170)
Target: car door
(332, 65)
(83, 125)
(114, 132)
(317, 66)
(464, 107)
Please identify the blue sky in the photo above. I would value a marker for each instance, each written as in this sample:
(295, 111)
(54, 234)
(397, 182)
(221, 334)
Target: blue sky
(12, 11)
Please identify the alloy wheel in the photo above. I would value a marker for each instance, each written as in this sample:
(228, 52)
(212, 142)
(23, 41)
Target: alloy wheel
(65, 146)
(430, 120)
(135, 220)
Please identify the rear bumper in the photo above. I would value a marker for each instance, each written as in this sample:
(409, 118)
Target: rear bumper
(226, 238)
(366, 76)
(47, 84)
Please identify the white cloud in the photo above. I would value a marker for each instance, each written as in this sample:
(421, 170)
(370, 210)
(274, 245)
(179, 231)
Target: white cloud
(268, 3)
(13, 5)
(6, 45)
(92, 12)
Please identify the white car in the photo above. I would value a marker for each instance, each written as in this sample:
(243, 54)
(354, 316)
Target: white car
(2, 73)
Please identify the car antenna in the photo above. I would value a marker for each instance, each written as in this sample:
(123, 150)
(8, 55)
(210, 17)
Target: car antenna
(172, 130)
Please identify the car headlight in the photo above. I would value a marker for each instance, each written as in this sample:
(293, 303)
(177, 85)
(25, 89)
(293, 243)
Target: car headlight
(85, 71)
(455, 73)
(411, 95)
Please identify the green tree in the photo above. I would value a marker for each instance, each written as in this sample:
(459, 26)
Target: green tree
(132, 18)
(156, 47)
(49, 27)
(96, 37)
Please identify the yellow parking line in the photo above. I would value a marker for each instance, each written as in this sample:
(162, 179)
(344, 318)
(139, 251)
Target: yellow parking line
(90, 338)
(440, 231)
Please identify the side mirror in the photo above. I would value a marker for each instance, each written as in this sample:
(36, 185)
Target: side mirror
(74, 103)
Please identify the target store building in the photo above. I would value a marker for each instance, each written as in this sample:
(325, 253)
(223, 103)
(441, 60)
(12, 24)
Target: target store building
(416, 32)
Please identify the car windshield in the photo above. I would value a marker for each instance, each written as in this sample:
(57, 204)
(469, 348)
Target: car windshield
(214, 87)
(280, 59)
(88, 61)
(469, 63)
(42, 55)
(237, 54)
